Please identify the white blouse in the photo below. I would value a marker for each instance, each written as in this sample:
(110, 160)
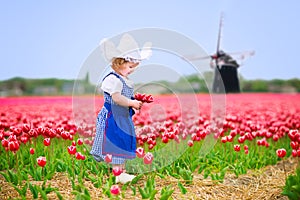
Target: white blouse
(112, 84)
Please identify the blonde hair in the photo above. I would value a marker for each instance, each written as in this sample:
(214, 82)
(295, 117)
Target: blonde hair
(117, 62)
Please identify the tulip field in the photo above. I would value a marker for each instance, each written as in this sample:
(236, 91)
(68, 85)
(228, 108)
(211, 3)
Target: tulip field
(185, 148)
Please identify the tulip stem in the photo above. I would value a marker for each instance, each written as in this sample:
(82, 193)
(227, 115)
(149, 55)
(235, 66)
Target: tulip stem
(108, 168)
(73, 167)
(8, 159)
(17, 164)
(284, 168)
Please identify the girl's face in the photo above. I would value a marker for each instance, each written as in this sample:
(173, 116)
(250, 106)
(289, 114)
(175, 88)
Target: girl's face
(127, 68)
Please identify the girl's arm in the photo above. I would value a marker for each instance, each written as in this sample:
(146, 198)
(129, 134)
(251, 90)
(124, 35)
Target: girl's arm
(124, 101)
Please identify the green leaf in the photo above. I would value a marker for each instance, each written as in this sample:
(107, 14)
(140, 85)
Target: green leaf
(34, 191)
(24, 175)
(136, 179)
(22, 191)
(59, 196)
(91, 178)
(13, 177)
(49, 189)
(133, 190)
(143, 193)
(166, 192)
(152, 194)
(86, 192)
(186, 174)
(183, 190)
(160, 175)
(43, 193)
(6, 176)
(39, 174)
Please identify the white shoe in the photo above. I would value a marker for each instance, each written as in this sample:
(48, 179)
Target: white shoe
(124, 178)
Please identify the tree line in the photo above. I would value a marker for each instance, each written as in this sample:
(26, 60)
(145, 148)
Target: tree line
(193, 83)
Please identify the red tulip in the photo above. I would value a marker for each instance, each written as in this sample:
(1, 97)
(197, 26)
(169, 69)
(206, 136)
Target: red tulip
(73, 143)
(281, 153)
(47, 141)
(108, 158)
(275, 138)
(13, 146)
(241, 139)
(144, 98)
(24, 139)
(237, 147)
(40, 130)
(294, 153)
(117, 171)
(72, 150)
(176, 138)
(4, 143)
(17, 131)
(79, 141)
(140, 152)
(224, 139)
(26, 128)
(294, 144)
(165, 139)
(71, 137)
(229, 138)
(31, 151)
(79, 156)
(148, 158)
(190, 143)
(151, 146)
(32, 133)
(115, 190)
(1, 134)
(41, 161)
(65, 135)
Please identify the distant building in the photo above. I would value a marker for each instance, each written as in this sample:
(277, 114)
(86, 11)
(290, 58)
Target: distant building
(45, 90)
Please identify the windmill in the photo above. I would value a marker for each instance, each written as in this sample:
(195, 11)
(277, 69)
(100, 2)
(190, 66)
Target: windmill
(225, 66)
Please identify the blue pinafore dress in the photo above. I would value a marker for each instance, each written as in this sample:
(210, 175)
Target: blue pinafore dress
(115, 133)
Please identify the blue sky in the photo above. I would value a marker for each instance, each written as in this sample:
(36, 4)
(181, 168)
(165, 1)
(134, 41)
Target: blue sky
(43, 39)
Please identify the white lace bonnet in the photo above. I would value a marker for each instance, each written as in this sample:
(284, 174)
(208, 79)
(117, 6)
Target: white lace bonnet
(127, 49)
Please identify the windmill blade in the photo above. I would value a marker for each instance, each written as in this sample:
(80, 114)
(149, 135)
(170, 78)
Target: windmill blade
(220, 32)
(248, 53)
(241, 55)
(195, 57)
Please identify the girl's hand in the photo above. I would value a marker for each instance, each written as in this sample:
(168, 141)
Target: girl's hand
(136, 104)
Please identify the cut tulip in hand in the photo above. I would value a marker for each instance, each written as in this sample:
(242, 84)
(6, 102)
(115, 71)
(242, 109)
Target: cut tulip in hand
(145, 98)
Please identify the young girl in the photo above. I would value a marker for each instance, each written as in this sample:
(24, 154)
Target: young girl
(115, 133)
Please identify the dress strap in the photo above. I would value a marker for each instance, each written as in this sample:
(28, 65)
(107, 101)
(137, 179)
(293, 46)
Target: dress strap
(118, 76)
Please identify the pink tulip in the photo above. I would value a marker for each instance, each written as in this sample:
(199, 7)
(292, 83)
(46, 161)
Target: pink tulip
(115, 189)
(140, 152)
(117, 171)
(108, 158)
(148, 158)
